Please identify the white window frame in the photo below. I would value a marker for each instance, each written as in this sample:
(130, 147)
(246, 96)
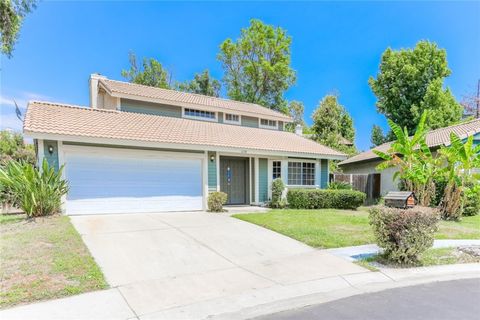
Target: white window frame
(263, 126)
(302, 161)
(232, 121)
(200, 118)
(273, 169)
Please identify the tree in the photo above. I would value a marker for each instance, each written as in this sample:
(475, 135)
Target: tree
(12, 148)
(377, 137)
(296, 110)
(443, 109)
(202, 83)
(257, 66)
(152, 73)
(416, 166)
(330, 122)
(12, 13)
(410, 82)
(460, 158)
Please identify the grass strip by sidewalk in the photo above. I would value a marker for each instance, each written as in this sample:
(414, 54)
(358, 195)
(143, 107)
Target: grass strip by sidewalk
(44, 259)
(431, 257)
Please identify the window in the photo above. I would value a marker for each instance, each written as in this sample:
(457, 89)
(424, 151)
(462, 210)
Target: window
(301, 173)
(277, 169)
(193, 113)
(232, 118)
(269, 124)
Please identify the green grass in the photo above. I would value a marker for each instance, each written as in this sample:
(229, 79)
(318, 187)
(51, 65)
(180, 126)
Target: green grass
(330, 228)
(326, 228)
(431, 257)
(44, 259)
(467, 228)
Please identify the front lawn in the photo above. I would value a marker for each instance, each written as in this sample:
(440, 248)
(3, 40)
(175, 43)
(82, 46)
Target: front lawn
(323, 228)
(44, 259)
(330, 228)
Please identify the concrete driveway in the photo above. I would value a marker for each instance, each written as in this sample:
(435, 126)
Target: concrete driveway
(163, 262)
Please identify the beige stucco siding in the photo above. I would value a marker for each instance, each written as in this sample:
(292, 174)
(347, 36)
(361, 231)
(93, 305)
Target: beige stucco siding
(106, 101)
(386, 176)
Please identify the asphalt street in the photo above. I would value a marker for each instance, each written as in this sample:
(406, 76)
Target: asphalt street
(451, 300)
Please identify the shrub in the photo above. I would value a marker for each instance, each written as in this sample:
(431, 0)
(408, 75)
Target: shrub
(216, 200)
(404, 233)
(37, 192)
(338, 185)
(471, 200)
(321, 198)
(277, 192)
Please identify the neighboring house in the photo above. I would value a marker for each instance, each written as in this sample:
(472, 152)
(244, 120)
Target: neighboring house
(145, 149)
(366, 162)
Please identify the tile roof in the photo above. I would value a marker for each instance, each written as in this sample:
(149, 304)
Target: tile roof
(434, 138)
(60, 119)
(176, 97)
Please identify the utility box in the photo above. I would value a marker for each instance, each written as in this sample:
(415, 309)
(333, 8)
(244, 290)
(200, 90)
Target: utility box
(400, 199)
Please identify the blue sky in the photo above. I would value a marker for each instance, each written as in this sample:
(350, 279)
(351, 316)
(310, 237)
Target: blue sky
(336, 46)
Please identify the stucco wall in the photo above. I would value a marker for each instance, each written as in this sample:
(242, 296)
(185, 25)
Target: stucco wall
(386, 176)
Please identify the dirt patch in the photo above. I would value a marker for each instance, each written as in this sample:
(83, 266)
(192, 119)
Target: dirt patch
(44, 258)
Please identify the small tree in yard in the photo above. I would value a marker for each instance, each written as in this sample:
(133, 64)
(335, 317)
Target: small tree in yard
(462, 183)
(277, 193)
(416, 166)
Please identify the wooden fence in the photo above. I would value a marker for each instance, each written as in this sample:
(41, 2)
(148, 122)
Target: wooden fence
(368, 183)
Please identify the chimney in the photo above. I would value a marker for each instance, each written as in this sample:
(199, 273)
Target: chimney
(299, 130)
(94, 77)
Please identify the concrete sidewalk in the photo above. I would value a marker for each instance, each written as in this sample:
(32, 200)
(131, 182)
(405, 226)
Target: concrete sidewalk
(110, 304)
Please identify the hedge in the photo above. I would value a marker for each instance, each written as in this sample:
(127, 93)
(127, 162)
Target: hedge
(404, 234)
(324, 198)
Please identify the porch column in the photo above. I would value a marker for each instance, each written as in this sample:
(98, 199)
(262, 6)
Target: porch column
(205, 180)
(285, 171)
(256, 181)
(318, 174)
(40, 152)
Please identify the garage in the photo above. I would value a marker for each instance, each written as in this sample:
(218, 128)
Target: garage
(109, 180)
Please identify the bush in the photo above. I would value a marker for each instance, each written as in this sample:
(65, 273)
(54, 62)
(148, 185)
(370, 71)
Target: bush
(277, 192)
(37, 192)
(471, 200)
(216, 200)
(321, 198)
(404, 233)
(338, 185)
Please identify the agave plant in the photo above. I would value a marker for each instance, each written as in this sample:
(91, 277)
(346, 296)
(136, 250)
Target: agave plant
(411, 155)
(461, 158)
(37, 192)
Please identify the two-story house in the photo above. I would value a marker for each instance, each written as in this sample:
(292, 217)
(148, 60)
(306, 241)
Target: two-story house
(145, 149)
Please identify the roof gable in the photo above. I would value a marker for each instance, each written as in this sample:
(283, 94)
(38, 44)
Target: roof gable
(185, 99)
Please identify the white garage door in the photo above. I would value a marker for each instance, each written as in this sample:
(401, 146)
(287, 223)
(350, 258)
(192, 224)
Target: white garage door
(119, 181)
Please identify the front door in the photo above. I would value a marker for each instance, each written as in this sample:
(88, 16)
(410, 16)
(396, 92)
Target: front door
(233, 180)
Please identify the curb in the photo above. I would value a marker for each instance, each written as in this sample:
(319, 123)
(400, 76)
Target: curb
(378, 281)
